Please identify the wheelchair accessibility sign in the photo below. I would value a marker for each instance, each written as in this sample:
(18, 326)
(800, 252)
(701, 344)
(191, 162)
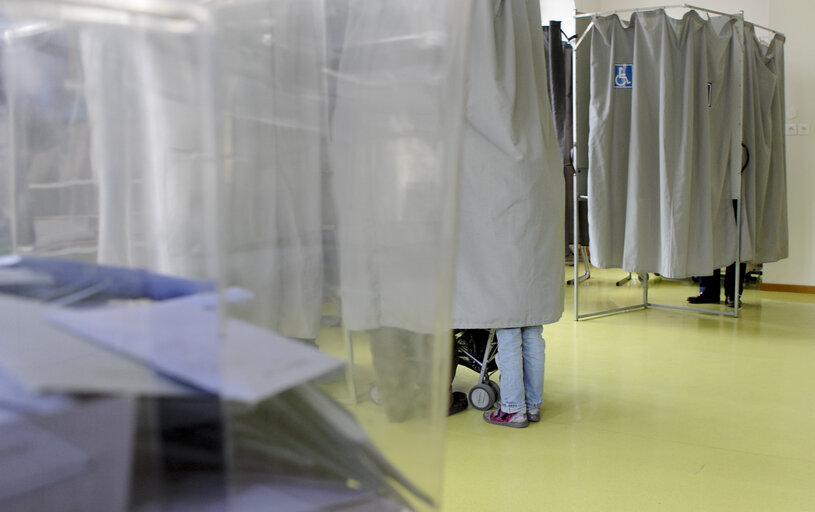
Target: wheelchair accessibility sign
(623, 76)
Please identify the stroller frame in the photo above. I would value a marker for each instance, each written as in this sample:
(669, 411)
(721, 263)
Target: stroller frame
(485, 393)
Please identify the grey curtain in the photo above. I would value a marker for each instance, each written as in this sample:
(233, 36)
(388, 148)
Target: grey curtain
(509, 270)
(664, 142)
(559, 67)
(765, 234)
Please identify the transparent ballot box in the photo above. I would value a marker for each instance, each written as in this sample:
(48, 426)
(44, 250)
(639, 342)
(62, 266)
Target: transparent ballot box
(226, 252)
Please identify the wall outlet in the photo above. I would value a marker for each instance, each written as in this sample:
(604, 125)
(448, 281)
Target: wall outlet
(803, 129)
(792, 129)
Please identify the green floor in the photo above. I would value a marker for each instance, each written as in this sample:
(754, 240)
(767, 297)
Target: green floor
(654, 410)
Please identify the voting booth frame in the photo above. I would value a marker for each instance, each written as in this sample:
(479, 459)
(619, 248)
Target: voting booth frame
(584, 24)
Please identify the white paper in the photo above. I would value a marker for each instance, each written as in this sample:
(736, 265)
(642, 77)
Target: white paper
(31, 458)
(10, 260)
(16, 397)
(44, 358)
(260, 363)
(176, 337)
(179, 338)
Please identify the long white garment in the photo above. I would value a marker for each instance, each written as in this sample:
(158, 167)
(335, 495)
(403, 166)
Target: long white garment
(394, 138)
(765, 234)
(49, 204)
(664, 141)
(273, 124)
(509, 269)
(152, 158)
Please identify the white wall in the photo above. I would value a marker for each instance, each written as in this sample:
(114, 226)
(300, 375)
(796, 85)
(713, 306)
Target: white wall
(587, 6)
(558, 10)
(791, 18)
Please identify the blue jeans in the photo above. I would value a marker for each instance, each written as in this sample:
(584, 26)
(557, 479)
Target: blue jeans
(521, 358)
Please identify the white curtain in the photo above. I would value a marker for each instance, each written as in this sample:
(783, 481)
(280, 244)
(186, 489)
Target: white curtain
(393, 147)
(148, 146)
(273, 125)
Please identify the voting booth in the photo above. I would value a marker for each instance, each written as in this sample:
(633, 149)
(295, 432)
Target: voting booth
(226, 252)
(680, 128)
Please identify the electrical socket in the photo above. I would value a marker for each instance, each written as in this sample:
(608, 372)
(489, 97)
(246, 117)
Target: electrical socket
(803, 129)
(792, 129)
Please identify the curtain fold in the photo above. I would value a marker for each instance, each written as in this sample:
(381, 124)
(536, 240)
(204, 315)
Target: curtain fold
(765, 233)
(559, 66)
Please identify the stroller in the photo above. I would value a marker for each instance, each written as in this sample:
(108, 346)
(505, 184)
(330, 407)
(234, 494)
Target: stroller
(476, 350)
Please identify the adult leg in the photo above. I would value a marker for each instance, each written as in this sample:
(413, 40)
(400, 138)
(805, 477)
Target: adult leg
(730, 297)
(709, 289)
(458, 400)
(391, 353)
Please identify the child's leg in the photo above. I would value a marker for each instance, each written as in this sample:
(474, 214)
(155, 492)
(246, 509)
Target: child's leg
(534, 359)
(511, 364)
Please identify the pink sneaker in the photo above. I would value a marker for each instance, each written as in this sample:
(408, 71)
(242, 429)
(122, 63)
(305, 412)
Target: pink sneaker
(507, 419)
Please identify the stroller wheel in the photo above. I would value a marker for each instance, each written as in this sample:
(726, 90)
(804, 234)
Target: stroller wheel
(482, 397)
(495, 388)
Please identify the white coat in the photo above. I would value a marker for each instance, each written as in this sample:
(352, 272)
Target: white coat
(509, 266)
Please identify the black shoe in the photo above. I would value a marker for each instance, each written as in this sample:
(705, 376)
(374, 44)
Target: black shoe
(704, 298)
(729, 302)
(458, 402)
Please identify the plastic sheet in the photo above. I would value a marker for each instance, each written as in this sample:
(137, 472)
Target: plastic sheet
(48, 171)
(301, 155)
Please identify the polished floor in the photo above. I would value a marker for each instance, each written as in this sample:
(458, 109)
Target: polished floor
(654, 410)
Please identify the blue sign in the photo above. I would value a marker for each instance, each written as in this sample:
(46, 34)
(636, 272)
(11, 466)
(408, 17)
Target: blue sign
(623, 76)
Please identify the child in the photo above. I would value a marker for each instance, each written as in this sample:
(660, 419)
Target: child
(521, 358)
